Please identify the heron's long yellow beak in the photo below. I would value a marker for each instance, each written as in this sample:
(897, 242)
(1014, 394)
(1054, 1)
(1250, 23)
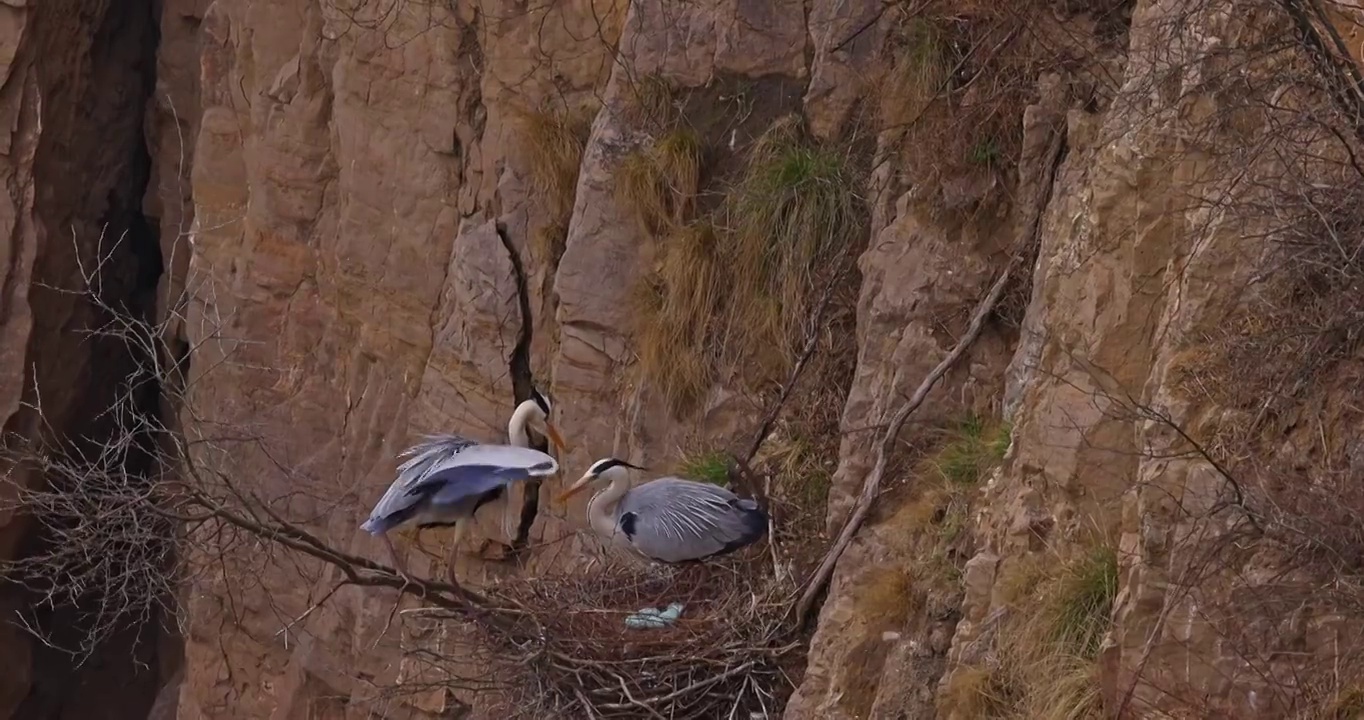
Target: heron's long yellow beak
(556, 438)
(574, 489)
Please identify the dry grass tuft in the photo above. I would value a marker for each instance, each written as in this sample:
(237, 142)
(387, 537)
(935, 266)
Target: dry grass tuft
(659, 182)
(734, 289)
(554, 140)
(975, 693)
(673, 310)
(802, 475)
(562, 645)
(650, 102)
(1043, 662)
(947, 478)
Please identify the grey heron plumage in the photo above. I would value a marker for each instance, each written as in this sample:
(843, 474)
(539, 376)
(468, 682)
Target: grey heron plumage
(668, 519)
(447, 478)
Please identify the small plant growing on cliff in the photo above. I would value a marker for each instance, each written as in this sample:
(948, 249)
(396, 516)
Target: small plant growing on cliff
(1047, 643)
(974, 448)
(1084, 599)
(649, 102)
(711, 467)
(919, 74)
(555, 140)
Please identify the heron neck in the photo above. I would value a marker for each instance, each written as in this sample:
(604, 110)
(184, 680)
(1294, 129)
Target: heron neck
(516, 428)
(601, 509)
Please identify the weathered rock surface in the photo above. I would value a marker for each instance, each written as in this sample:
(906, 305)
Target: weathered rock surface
(346, 197)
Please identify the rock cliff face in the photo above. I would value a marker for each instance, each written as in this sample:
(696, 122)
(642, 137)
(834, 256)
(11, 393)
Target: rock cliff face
(392, 218)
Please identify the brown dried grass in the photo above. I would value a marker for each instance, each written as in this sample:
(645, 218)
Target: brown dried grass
(659, 181)
(1043, 659)
(554, 141)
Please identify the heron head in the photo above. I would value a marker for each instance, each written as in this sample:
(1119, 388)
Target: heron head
(604, 469)
(540, 409)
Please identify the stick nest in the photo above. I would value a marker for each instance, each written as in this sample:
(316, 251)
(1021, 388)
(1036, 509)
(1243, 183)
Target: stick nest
(563, 644)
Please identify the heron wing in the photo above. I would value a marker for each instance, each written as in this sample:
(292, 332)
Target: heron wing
(674, 520)
(481, 468)
(443, 469)
(432, 450)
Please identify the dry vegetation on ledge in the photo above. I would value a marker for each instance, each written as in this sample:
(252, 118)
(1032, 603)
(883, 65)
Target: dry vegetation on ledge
(1040, 659)
(554, 141)
(739, 258)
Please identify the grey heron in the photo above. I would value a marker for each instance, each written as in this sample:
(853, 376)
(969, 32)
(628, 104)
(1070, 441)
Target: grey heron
(669, 519)
(447, 478)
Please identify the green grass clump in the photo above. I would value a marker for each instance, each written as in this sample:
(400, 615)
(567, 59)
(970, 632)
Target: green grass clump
(793, 210)
(1084, 600)
(984, 153)
(974, 448)
(710, 467)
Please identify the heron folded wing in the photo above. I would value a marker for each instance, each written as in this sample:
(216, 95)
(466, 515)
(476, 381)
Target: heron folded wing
(675, 520)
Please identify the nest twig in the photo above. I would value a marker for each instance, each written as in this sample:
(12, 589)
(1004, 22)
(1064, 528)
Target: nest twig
(569, 652)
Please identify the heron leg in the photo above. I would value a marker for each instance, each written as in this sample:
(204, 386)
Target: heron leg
(398, 562)
(461, 528)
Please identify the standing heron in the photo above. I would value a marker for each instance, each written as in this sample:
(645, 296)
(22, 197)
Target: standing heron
(670, 519)
(447, 478)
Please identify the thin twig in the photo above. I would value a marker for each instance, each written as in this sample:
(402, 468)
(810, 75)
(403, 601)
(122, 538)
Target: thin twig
(811, 344)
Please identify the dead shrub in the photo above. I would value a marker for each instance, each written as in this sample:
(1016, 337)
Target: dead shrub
(961, 76)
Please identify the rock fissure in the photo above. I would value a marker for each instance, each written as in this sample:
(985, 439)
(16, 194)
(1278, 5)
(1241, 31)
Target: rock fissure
(522, 381)
(103, 395)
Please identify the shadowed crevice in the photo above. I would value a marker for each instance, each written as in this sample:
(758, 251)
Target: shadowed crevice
(92, 169)
(522, 382)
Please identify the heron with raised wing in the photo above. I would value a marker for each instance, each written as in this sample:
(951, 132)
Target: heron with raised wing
(447, 478)
(669, 519)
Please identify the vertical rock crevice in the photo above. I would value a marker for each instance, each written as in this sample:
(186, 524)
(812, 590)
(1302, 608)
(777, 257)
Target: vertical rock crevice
(95, 62)
(522, 381)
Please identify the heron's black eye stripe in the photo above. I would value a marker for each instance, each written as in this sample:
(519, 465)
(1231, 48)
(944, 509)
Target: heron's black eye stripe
(603, 465)
(540, 400)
